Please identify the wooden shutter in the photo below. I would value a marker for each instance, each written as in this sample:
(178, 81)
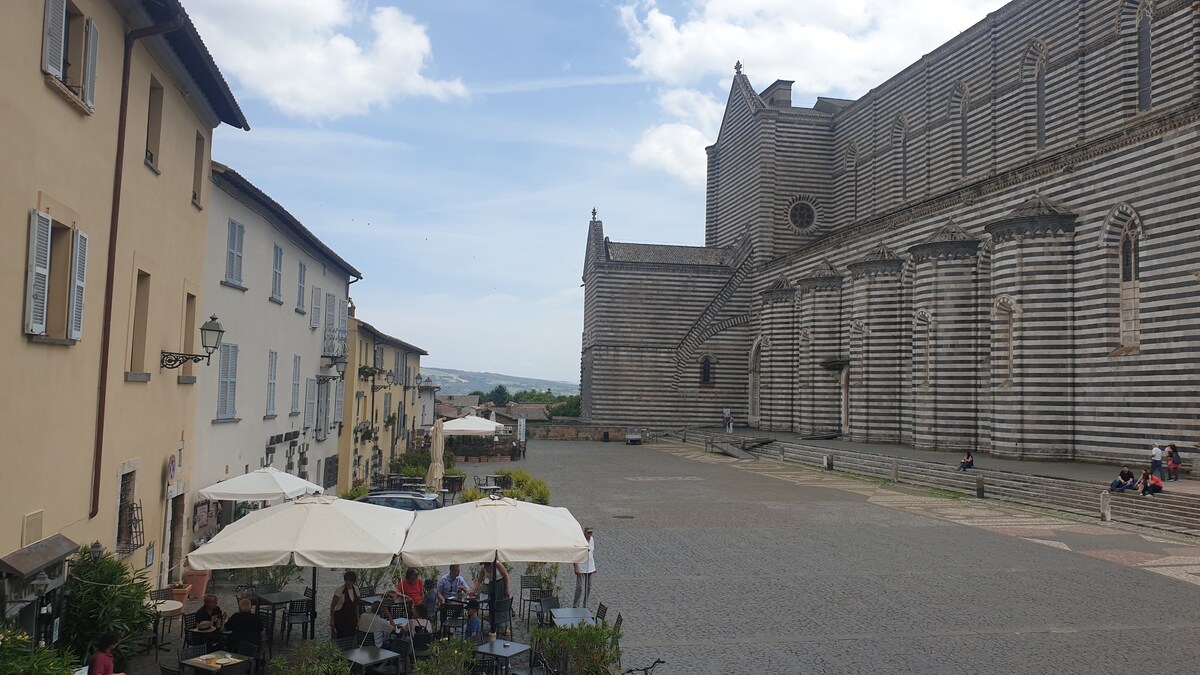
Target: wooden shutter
(378, 362)
(342, 316)
(54, 37)
(339, 401)
(296, 383)
(78, 279)
(277, 273)
(310, 402)
(37, 283)
(300, 288)
(223, 383)
(233, 251)
(272, 365)
(314, 312)
(92, 51)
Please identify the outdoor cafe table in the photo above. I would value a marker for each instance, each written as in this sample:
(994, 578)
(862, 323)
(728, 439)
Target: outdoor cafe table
(370, 656)
(282, 598)
(208, 662)
(565, 617)
(504, 650)
(163, 609)
(490, 488)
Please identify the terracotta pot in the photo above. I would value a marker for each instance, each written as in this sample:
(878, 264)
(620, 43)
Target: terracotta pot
(181, 594)
(198, 582)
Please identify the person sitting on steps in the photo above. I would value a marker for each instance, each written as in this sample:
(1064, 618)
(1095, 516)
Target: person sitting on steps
(1124, 481)
(1150, 484)
(967, 462)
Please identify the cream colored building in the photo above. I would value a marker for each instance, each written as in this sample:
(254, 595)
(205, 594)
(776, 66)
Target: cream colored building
(381, 410)
(281, 293)
(106, 272)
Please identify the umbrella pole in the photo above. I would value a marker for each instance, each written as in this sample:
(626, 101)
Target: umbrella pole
(492, 594)
(312, 610)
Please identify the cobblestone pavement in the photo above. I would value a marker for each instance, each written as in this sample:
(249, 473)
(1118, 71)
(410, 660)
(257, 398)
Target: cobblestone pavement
(752, 566)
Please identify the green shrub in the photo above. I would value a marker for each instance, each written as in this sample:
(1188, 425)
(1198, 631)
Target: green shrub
(315, 657)
(471, 494)
(19, 657)
(583, 649)
(447, 657)
(371, 577)
(102, 595)
(355, 492)
(547, 575)
(451, 471)
(537, 491)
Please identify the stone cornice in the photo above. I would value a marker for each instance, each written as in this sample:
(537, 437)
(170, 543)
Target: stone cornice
(818, 284)
(1152, 125)
(1031, 226)
(875, 268)
(944, 250)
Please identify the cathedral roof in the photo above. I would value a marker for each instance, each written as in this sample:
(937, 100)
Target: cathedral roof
(949, 233)
(881, 253)
(668, 254)
(1037, 205)
(823, 271)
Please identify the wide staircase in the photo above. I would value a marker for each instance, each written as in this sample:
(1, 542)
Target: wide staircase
(1169, 511)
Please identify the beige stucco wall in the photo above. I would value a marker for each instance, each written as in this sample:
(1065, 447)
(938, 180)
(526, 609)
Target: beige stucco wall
(61, 159)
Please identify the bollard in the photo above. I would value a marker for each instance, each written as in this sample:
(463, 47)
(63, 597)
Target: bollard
(827, 462)
(979, 487)
(781, 453)
(1105, 507)
(895, 472)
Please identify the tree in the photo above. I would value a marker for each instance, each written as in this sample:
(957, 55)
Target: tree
(534, 396)
(499, 395)
(482, 396)
(571, 406)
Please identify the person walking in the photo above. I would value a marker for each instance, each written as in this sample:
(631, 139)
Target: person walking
(1156, 463)
(101, 662)
(584, 571)
(1173, 460)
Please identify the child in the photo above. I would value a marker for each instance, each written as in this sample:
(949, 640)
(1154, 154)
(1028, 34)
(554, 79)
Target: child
(433, 599)
(474, 628)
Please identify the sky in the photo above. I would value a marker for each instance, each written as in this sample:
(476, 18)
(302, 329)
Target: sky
(452, 150)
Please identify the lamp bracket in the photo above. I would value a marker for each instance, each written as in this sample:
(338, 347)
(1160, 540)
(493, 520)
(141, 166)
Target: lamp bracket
(175, 359)
(327, 378)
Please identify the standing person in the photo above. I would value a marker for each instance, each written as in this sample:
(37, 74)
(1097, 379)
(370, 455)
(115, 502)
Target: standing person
(343, 611)
(584, 571)
(727, 419)
(102, 660)
(1173, 462)
(497, 589)
(1156, 465)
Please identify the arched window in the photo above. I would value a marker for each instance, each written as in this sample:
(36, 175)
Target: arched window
(900, 143)
(958, 121)
(1033, 75)
(1130, 287)
(1004, 341)
(706, 370)
(1039, 87)
(852, 177)
(1143, 58)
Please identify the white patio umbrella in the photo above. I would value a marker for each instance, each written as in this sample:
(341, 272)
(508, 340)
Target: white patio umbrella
(471, 426)
(505, 530)
(437, 451)
(264, 484)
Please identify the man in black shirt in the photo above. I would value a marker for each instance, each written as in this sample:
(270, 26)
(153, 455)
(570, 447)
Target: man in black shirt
(1124, 481)
(244, 626)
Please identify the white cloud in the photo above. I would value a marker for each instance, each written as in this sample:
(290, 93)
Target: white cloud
(828, 48)
(304, 57)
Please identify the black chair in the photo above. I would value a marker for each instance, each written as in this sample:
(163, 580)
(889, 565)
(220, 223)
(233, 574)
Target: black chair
(311, 594)
(164, 669)
(535, 598)
(529, 582)
(544, 617)
(243, 668)
(616, 643)
(190, 638)
(191, 651)
(483, 665)
(601, 612)
(500, 613)
(345, 643)
(266, 614)
(299, 612)
(454, 618)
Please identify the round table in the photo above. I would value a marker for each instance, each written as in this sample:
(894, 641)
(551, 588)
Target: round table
(166, 609)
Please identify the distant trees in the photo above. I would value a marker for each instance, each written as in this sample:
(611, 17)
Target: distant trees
(534, 396)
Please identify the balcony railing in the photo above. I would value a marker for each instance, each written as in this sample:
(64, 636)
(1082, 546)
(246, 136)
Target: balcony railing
(334, 343)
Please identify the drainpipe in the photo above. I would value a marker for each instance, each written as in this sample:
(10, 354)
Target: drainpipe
(110, 274)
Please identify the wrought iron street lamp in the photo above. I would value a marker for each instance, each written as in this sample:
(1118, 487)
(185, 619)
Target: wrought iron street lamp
(210, 339)
(339, 364)
(388, 379)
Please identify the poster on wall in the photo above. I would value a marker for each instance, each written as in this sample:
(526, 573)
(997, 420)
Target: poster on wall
(202, 515)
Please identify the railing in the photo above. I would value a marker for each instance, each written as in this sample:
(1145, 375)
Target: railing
(334, 343)
(130, 536)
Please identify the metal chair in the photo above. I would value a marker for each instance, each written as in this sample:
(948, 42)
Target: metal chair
(535, 598)
(454, 618)
(189, 624)
(299, 612)
(529, 582)
(345, 643)
(483, 665)
(266, 614)
(311, 594)
(601, 612)
(364, 639)
(191, 651)
(544, 617)
(500, 613)
(616, 637)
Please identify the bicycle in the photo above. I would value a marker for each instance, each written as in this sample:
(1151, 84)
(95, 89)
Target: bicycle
(647, 670)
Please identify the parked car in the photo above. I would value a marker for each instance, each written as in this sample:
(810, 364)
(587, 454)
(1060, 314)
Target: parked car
(406, 500)
(633, 436)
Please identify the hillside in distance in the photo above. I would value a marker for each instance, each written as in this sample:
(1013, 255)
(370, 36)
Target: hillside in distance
(459, 382)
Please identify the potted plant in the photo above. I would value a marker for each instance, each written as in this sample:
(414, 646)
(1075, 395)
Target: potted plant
(198, 580)
(180, 591)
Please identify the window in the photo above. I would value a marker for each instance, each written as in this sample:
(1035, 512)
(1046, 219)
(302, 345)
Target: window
(1143, 61)
(129, 516)
(153, 122)
(900, 143)
(296, 384)
(339, 401)
(706, 370)
(330, 311)
(378, 361)
(141, 316)
(189, 332)
(1039, 86)
(300, 289)
(1130, 288)
(55, 278)
(314, 311)
(236, 235)
(272, 364)
(310, 402)
(1004, 345)
(227, 383)
(198, 169)
(70, 48)
(321, 423)
(277, 274)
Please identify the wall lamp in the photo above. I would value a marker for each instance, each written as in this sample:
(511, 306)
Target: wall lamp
(339, 364)
(210, 339)
(388, 379)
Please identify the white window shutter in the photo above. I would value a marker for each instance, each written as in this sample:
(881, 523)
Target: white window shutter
(339, 401)
(314, 312)
(233, 359)
(310, 402)
(231, 251)
(78, 280)
(92, 49)
(241, 235)
(54, 37)
(223, 383)
(330, 310)
(342, 316)
(272, 365)
(300, 287)
(37, 283)
(296, 383)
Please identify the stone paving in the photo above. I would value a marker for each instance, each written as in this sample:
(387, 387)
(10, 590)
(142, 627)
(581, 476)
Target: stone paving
(753, 566)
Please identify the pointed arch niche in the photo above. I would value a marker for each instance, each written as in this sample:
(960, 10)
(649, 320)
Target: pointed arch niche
(1121, 241)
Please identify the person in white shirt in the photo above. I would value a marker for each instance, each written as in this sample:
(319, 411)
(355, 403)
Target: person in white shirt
(584, 571)
(1156, 464)
(378, 623)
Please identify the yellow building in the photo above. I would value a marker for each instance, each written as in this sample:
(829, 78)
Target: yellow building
(380, 410)
(110, 238)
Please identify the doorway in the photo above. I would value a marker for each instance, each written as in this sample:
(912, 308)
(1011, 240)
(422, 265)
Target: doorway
(844, 381)
(755, 362)
(175, 541)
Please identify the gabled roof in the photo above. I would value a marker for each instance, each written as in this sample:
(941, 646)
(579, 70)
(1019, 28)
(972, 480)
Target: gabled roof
(1037, 205)
(947, 233)
(225, 176)
(668, 254)
(395, 342)
(196, 59)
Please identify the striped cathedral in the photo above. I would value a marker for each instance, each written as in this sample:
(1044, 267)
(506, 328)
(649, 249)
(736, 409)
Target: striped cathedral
(997, 249)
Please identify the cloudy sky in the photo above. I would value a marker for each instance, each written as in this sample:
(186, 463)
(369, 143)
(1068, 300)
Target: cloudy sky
(452, 150)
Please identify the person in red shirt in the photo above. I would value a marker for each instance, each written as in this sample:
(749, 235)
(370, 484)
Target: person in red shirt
(102, 660)
(1151, 484)
(412, 587)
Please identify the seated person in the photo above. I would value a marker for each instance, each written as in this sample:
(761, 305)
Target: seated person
(244, 626)
(967, 462)
(377, 622)
(209, 622)
(452, 583)
(210, 612)
(1151, 484)
(433, 599)
(419, 621)
(411, 586)
(1124, 481)
(101, 662)
(474, 627)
